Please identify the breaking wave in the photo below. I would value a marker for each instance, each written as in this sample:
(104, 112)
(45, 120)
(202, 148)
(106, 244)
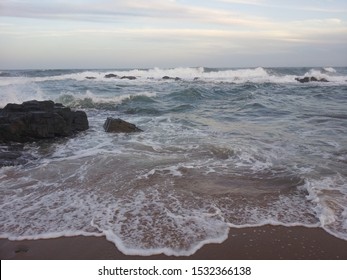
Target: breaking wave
(253, 75)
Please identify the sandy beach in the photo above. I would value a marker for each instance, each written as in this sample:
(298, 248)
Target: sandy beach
(259, 243)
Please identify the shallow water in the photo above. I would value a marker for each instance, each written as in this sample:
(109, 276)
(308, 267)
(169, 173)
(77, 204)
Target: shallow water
(221, 148)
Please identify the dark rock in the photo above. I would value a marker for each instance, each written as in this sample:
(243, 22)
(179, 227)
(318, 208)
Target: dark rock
(118, 125)
(80, 121)
(311, 79)
(171, 78)
(129, 77)
(108, 76)
(303, 80)
(35, 120)
(90, 78)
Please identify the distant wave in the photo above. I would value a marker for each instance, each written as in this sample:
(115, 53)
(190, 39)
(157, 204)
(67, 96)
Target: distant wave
(253, 75)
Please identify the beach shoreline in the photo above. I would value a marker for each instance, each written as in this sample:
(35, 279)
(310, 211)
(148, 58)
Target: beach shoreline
(253, 243)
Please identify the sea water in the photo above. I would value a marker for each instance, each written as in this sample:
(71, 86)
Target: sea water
(221, 149)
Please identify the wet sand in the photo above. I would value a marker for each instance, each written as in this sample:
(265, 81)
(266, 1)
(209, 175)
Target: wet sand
(259, 243)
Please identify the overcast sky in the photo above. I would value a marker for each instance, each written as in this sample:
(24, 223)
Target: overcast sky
(172, 33)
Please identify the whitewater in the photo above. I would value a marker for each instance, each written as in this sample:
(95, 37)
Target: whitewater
(221, 149)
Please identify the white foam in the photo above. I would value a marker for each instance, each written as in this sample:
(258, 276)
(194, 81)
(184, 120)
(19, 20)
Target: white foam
(141, 215)
(254, 75)
(317, 73)
(157, 73)
(237, 76)
(89, 99)
(330, 196)
(79, 76)
(330, 69)
(328, 73)
(18, 94)
(21, 93)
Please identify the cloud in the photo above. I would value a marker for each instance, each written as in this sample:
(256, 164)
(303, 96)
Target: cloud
(168, 15)
(245, 2)
(150, 13)
(110, 11)
(64, 8)
(171, 28)
(298, 5)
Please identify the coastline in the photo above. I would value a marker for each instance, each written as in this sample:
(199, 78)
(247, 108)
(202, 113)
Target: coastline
(254, 243)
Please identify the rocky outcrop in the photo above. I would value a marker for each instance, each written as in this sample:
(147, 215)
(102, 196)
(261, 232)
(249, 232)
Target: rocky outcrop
(35, 120)
(311, 79)
(171, 78)
(129, 77)
(108, 76)
(118, 125)
(114, 76)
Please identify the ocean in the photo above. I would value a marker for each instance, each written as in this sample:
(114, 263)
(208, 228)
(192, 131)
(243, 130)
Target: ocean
(221, 149)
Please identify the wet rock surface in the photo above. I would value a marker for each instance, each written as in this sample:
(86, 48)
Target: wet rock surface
(120, 126)
(35, 120)
(311, 79)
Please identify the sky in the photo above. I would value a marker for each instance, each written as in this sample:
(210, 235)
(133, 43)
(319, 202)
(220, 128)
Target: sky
(60, 34)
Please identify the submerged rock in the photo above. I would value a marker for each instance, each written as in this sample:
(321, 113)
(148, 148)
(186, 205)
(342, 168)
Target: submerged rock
(311, 79)
(35, 120)
(118, 125)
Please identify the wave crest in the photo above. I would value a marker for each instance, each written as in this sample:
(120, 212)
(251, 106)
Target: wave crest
(245, 75)
(92, 101)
